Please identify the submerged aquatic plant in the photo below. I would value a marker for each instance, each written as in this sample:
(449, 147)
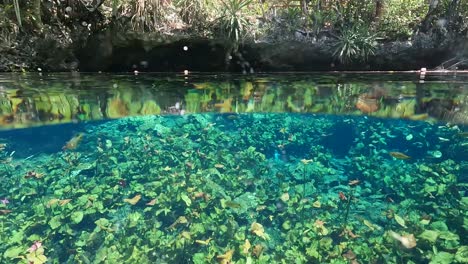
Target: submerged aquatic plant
(200, 188)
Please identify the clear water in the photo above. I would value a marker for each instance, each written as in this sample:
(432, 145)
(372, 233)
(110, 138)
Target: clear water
(233, 169)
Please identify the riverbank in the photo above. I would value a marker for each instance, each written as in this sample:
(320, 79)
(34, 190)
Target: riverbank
(233, 36)
(101, 52)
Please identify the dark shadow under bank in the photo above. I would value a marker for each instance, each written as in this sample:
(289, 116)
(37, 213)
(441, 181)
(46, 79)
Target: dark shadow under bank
(100, 54)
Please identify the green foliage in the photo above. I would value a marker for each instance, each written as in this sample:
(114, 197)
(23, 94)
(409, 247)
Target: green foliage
(193, 12)
(233, 23)
(145, 15)
(8, 29)
(353, 44)
(17, 12)
(401, 17)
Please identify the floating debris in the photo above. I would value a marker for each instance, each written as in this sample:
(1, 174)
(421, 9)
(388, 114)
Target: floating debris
(408, 241)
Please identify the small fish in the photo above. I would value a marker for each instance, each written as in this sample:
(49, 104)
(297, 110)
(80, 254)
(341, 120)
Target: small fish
(232, 204)
(342, 196)
(463, 134)
(354, 182)
(73, 143)
(399, 155)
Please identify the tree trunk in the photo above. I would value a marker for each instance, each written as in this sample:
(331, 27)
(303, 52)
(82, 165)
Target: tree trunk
(36, 14)
(426, 22)
(304, 7)
(379, 7)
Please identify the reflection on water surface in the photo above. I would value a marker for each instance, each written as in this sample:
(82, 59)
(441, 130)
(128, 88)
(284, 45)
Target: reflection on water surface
(32, 99)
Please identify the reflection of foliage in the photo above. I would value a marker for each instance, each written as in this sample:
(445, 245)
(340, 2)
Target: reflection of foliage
(326, 94)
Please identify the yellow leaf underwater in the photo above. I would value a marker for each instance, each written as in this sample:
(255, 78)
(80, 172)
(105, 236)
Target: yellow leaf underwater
(52, 202)
(226, 257)
(371, 226)
(204, 242)
(133, 200)
(258, 230)
(317, 204)
(306, 161)
(64, 202)
(180, 220)
(151, 203)
(400, 220)
(246, 247)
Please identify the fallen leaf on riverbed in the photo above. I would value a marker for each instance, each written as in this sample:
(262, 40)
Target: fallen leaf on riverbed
(246, 247)
(151, 203)
(133, 200)
(258, 230)
(226, 257)
(204, 242)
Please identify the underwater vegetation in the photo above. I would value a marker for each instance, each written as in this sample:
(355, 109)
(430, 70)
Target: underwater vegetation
(238, 188)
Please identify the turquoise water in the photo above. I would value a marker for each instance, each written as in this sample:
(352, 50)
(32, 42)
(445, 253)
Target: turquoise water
(210, 169)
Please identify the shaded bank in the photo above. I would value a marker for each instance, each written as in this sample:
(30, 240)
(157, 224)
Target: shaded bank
(102, 52)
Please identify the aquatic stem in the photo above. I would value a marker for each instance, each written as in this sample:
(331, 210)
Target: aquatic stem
(2, 231)
(348, 206)
(304, 190)
(304, 183)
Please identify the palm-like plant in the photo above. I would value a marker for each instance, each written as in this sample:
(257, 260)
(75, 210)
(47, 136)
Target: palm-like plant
(233, 22)
(355, 43)
(17, 12)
